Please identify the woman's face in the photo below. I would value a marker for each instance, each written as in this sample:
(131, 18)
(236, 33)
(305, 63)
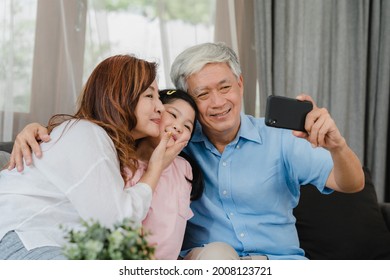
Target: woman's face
(148, 112)
(178, 118)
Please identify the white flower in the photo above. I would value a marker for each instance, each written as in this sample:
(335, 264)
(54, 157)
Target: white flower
(93, 248)
(115, 238)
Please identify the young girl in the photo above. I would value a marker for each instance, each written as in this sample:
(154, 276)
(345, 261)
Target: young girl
(82, 172)
(180, 182)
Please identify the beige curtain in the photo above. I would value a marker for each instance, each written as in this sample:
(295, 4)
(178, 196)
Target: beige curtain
(234, 26)
(58, 60)
(58, 56)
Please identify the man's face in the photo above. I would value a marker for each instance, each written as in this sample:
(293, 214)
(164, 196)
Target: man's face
(218, 94)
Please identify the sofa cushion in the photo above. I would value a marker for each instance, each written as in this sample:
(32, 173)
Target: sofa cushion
(4, 158)
(342, 226)
(6, 146)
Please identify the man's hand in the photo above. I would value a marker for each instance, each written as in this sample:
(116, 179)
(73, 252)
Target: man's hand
(26, 141)
(347, 173)
(321, 128)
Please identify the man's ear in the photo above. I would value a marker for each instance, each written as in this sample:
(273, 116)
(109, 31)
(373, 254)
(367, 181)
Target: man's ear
(240, 82)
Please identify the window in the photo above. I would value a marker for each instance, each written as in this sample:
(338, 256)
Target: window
(155, 30)
(17, 31)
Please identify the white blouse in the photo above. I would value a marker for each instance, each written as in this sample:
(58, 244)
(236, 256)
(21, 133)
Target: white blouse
(78, 177)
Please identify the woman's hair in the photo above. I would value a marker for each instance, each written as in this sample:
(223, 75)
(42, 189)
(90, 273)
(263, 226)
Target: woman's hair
(109, 99)
(195, 58)
(168, 96)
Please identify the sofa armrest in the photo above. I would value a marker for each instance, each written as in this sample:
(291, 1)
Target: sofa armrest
(385, 209)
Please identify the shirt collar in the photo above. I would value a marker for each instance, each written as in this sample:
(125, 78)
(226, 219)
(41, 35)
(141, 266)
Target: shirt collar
(249, 130)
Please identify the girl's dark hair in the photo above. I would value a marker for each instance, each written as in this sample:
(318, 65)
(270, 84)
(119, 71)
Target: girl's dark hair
(168, 96)
(197, 181)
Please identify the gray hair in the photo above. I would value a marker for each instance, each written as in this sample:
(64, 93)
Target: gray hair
(193, 59)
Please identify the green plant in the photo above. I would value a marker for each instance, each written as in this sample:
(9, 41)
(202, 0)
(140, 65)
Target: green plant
(124, 241)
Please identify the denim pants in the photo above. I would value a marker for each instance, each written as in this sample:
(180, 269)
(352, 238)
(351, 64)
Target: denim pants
(12, 248)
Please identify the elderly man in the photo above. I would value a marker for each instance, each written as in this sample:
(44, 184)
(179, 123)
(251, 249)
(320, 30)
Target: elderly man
(253, 172)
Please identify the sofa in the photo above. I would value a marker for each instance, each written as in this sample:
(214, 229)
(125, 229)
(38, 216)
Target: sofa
(5, 149)
(343, 226)
(337, 226)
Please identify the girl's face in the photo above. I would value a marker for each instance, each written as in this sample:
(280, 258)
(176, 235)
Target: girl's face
(178, 119)
(148, 112)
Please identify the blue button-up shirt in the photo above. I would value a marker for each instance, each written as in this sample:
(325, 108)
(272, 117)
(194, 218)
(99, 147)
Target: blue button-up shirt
(252, 188)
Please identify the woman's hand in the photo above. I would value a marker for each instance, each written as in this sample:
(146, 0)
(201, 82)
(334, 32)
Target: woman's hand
(27, 140)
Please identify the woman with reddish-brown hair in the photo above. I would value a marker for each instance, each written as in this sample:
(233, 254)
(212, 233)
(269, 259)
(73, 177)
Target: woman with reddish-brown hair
(81, 174)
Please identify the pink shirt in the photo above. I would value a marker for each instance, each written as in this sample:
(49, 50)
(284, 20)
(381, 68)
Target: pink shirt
(170, 208)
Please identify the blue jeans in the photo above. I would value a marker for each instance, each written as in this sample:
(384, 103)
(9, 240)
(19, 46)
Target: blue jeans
(12, 248)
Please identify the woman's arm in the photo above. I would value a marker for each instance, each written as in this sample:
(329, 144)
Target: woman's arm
(27, 141)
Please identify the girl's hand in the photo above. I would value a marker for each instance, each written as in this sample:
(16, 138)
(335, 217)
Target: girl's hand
(160, 159)
(163, 155)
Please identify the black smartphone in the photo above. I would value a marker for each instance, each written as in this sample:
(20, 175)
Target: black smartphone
(285, 112)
